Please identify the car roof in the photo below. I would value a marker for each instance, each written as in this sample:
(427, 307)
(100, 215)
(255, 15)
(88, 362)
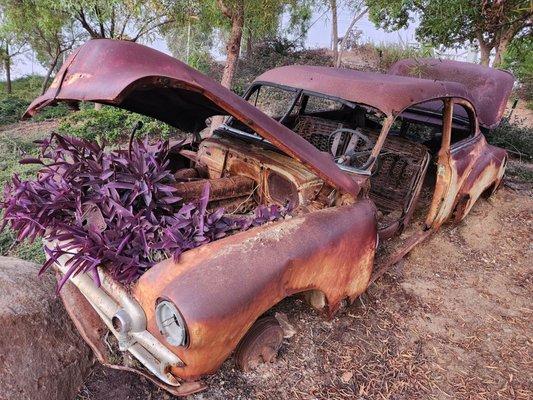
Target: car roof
(394, 92)
(390, 94)
(489, 88)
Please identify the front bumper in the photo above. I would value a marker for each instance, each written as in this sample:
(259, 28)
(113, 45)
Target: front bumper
(89, 305)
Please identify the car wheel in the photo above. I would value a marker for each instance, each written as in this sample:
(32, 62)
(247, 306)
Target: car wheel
(260, 344)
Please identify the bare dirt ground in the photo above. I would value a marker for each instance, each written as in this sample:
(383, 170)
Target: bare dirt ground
(452, 321)
(30, 128)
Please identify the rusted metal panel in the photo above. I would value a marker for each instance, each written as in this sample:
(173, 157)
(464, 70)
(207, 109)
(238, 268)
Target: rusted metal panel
(464, 171)
(144, 80)
(223, 287)
(220, 189)
(388, 93)
(489, 88)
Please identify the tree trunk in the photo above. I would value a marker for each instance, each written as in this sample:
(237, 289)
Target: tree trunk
(249, 43)
(233, 47)
(484, 51)
(49, 73)
(501, 47)
(345, 37)
(334, 30)
(7, 68)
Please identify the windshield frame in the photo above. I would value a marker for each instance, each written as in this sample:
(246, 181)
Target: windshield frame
(298, 94)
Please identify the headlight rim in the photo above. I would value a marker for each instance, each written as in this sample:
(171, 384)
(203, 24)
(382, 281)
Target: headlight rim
(180, 321)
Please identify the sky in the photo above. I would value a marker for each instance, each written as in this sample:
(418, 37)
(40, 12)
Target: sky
(318, 36)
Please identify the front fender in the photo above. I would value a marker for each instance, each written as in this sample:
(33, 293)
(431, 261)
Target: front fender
(221, 288)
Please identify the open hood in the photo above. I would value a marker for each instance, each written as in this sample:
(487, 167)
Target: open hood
(489, 88)
(140, 79)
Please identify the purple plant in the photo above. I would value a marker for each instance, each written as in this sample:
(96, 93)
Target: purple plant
(113, 209)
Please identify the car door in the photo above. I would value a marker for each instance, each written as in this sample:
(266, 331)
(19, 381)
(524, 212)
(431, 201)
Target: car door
(462, 145)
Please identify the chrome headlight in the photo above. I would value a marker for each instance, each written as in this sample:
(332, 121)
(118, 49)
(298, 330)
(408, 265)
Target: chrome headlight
(171, 323)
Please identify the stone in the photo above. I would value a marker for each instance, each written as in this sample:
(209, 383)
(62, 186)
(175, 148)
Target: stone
(42, 356)
(288, 329)
(346, 376)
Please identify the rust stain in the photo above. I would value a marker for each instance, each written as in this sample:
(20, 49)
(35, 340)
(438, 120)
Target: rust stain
(223, 287)
(327, 249)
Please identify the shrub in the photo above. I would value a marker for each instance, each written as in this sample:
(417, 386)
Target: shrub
(136, 218)
(391, 53)
(111, 124)
(26, 88)
(58, 111)
(519, 59)
(11, 109)
(271, 53)
(515, 136)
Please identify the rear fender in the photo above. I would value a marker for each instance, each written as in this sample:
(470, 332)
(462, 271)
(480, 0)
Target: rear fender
(487, 173)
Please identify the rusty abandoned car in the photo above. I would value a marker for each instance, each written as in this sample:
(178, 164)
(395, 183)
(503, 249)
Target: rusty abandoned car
(370, 165)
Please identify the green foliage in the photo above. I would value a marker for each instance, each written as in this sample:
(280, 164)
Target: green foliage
(271, 53)
(9, 246)
(58, 111)
(514, 136)
(201, 23)
(111, 124)
(26, 88)
(24, 91)
(11, 109)
(453, 23)
(12, 149)
(116, 19)
(519, 171)
(519, 59)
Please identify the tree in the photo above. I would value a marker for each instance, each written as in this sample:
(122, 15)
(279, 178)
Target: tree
(235, 14)
(491, 24)
(49, 33)
(519, 59)
(334, 29)
(114, 19)
(359, 14)
(11, 45)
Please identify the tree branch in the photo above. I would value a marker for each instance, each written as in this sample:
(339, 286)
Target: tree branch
(224, 9)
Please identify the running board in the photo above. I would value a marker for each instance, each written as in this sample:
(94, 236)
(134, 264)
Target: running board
(409, 244)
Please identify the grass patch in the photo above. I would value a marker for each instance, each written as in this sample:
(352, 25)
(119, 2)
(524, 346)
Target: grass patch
(391, 53)
(11, 109)
(12, 149)
(25, 90)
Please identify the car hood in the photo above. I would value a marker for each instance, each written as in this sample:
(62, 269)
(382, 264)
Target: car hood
(140, 79)
(489, 88)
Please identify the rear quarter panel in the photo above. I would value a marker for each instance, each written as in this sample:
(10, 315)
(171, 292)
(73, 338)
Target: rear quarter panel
(475, 166)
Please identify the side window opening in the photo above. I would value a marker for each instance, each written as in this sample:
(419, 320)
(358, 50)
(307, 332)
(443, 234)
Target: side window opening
(403, 176)
(273, 101)
(421, 124)
(463, 124)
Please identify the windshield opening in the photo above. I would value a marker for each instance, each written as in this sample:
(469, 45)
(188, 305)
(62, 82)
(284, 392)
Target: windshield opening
(347, 131)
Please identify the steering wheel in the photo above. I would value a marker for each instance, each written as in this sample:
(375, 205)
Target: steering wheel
(348, 145)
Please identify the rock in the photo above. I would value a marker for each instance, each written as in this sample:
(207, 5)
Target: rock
(42, 356)
(346, 376)
(288, 330)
